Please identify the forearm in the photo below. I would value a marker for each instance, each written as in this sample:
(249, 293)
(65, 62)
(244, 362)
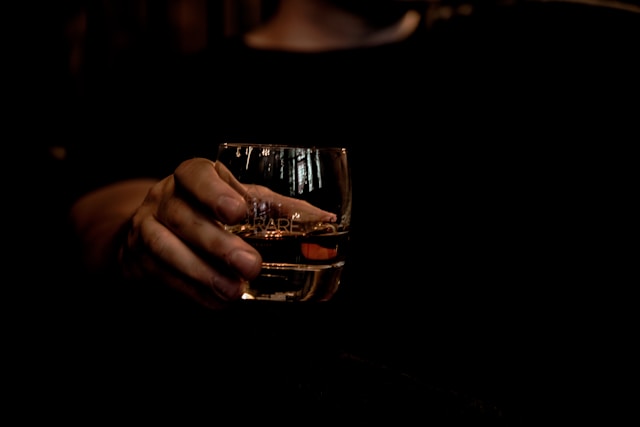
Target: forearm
(98, 217)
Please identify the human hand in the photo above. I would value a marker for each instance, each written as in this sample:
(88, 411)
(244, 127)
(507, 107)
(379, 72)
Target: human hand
(264, 201)
(177, 236)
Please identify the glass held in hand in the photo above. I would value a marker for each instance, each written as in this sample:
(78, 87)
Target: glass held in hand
(298, 216)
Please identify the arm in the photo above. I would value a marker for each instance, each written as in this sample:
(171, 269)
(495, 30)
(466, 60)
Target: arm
(98, 217)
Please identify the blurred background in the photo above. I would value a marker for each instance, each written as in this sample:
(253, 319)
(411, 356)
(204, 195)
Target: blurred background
(71, 43)
(81, 40)
(69, 48)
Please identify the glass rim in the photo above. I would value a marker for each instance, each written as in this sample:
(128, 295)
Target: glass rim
(281, 146)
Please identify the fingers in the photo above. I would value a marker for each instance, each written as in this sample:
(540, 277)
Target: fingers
(170, 250)
(265, 198)
(210, 241)
(199, 178)
(206, 237)
(141, 264)
(177, 235)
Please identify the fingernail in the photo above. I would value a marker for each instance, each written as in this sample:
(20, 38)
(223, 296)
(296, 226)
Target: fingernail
(247, 263)
(231, 202)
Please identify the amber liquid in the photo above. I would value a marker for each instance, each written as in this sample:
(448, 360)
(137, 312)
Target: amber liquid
(298, 267)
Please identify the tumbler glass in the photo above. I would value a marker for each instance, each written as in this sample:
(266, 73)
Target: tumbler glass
(298, 216)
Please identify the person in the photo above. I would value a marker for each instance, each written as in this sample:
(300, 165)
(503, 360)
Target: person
(398, 94)
(142, 206)
(324, 67)
(449, 211)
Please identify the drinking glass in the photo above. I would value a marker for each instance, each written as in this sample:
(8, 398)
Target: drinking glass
(298, 216)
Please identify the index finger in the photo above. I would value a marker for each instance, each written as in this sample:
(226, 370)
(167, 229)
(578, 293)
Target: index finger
(200, 178)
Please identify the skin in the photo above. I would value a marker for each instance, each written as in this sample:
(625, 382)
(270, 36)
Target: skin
(171, 230)
(320, 25)
(174, 232)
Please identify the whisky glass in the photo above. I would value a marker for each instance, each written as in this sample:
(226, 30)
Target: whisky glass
(298, 216)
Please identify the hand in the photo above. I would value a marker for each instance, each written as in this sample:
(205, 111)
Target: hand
(266, 201)
(176, 235)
